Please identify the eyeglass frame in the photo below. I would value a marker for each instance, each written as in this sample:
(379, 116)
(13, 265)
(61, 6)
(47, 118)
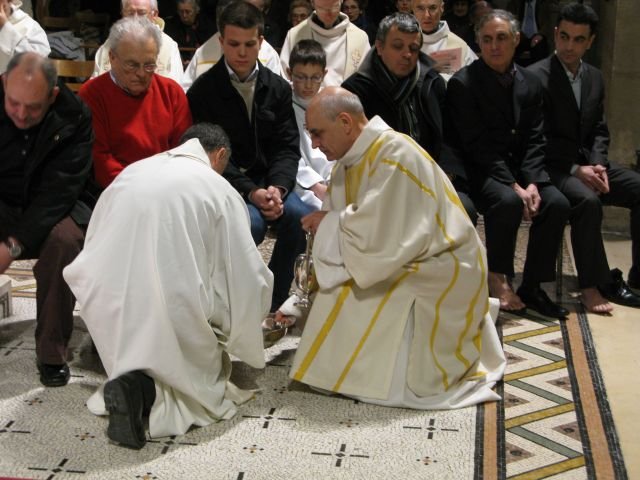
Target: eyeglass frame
(314, 79)
(334, 9)
(130, 66)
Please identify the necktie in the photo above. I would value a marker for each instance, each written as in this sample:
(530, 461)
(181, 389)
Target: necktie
(529, 27)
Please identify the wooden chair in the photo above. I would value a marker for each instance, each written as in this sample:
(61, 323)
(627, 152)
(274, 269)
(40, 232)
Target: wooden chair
(76, 72)
(56, 24)
(88, 18)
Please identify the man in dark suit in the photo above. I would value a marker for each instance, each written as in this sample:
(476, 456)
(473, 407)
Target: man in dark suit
(399, 83)
(576, 159)
(254, 107)
(495, 108)
(45, 202)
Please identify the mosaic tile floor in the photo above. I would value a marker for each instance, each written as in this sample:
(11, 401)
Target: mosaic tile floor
(553, 421)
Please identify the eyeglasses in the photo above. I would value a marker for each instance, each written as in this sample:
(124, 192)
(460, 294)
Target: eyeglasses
(350, 7)
(131, 66)
(304, 79)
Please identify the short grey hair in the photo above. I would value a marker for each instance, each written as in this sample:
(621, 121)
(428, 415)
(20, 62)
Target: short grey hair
(497, 14)
(32, 63)
(405, 22)
(153, 4)
(333, 104)
(139, 28)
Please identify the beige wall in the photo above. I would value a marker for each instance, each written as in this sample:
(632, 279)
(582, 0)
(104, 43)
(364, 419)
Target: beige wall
(618, 55)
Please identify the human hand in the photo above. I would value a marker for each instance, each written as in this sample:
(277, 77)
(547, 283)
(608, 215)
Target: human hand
(319, 190)
(5, 12)
(269, 202)
(530, 198)
(311, 222)
(593, 176)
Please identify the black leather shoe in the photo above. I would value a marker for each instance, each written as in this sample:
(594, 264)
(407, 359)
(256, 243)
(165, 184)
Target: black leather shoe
(53, 375)
(124, 400)
(619, 292)
(633, 280)
(537, 300)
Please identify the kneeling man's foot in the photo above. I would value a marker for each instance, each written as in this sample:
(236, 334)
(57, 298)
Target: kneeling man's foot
(53, 375)
(536, 299)
(124, 400)
(594, 302)
(619, 292)
(499, 288)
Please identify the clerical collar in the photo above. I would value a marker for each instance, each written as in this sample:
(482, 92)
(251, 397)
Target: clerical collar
(440, 24)
(252, 76)
(317, 21)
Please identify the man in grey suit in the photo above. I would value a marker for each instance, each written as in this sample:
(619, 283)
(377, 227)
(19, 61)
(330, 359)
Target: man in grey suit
(576, 159)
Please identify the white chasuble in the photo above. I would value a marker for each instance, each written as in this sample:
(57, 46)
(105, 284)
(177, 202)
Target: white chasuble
(403, 285)
(170, 282)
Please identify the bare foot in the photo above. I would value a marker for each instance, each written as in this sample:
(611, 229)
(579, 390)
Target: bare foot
(500, 289)
(284, 320)
(594, 302)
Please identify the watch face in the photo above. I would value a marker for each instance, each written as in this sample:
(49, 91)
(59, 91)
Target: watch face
(14, 250)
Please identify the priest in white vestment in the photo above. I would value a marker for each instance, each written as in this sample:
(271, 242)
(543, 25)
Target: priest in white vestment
(402, 316)
(170, 284)
(19, 33)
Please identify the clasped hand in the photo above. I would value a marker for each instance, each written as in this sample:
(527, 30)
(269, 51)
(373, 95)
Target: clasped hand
(269, 202)
(530, 198)
(595, 177)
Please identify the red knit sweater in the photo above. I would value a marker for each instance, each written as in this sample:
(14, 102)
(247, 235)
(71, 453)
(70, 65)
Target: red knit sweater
(128, 128)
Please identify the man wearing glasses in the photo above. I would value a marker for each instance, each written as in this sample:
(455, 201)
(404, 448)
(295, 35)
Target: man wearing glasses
(136, 113)
(168, 63)
(345, 45)
(449, 51)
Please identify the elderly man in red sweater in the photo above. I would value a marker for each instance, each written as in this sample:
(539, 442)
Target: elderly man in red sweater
(136, 113)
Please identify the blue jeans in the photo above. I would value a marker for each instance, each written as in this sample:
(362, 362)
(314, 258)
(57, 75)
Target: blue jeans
(290, 241)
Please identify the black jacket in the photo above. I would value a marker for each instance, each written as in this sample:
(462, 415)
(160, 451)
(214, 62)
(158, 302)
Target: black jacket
(266, 147)
(499, 131)
(57, 175)
(574, 135)
(428, 105)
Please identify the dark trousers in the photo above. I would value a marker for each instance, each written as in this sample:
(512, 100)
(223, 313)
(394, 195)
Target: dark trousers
(290, 242)
(54, 300)
(586, 220)
(502, 209)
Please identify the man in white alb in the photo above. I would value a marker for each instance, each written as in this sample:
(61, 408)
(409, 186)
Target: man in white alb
(445, 47)
(19, 33)
(345, 45)
(402, 316)
(162, 283)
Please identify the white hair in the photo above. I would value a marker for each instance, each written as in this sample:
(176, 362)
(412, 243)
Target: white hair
(140, 28)
(153, 4)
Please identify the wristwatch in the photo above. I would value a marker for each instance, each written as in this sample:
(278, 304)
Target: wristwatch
(15, 250)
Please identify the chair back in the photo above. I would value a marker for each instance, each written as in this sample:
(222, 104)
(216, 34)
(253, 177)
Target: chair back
(74, 72)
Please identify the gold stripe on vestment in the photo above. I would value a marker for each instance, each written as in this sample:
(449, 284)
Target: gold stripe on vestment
(367, 332)
(354, 174)
(324, 331)
(469, 316)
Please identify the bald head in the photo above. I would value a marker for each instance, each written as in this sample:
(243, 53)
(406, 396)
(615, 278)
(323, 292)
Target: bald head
(335, 118)
(29, 89)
